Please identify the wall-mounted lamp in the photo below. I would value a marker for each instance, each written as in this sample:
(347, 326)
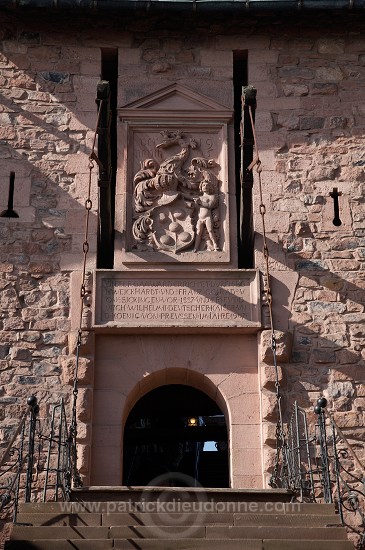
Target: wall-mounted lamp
(192, 421)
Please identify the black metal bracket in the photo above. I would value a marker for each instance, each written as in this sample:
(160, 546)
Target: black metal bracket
(334, 195)
(10, 212)
(245, 224)
(104, 161)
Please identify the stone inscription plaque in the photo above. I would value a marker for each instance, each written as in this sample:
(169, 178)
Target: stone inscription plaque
(194, 300)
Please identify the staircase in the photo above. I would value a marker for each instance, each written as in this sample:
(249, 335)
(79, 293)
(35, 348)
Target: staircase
(173, 518)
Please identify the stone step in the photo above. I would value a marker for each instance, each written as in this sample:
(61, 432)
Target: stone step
(238, 544)
(20, 532)
(71, 544)
(111, 507)
(178, 544)
(170, 532)
(306, 545)
(96, 520)
(135, 494)
(56, 518)
(289, 520)
(221, 519)
(175, 518)
(291, 533)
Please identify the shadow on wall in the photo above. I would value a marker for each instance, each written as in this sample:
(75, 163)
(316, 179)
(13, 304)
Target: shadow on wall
(48, 122)
(47, 127)
(325, 312)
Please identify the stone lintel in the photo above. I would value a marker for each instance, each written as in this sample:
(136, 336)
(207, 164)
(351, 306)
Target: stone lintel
(207, 300)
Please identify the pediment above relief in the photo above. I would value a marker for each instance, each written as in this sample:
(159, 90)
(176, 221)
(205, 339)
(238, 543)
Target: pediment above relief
(174, 180)
(178, 99)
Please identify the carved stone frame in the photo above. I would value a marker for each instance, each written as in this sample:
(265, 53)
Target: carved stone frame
(170, 109)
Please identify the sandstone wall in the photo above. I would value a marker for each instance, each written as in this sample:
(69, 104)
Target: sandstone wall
(310, 120)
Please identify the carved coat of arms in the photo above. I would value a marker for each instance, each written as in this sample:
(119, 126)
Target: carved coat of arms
(176, 201)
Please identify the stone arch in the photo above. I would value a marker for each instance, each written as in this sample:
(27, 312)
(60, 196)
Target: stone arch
(200, 385)
(224, 366)
(175, 375)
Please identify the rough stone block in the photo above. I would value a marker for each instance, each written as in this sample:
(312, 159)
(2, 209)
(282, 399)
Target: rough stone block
(78, 162)
(331, 46)
(83, 459)
(13, 323)
(348, 419)
(84, 404)
(84, 433)
(268, 405)
(21, 354)
(297, 90)
(269, 433)
(268, 377)
(339, 389)
(329, 74)
(269, 459)
(323, 356)
(87, 342)
(283, 346)
(85, 370)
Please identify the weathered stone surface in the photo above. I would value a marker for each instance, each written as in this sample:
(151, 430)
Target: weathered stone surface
(21, 354)
(83, 459)
(268, 405)
(13, 323)
(340, 389)
(325, 308)
(57, 337)
(310, 127)
(46, 368)
(283, 346)
(348, 419)
(84, 404)
(269, 377)
(347, 356)
(269, 433)
(269, 459)
(84, 371)
(323, 356)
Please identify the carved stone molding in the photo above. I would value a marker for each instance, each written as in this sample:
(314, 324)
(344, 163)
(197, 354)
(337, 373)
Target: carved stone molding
(175, 206)
(172, 195)
(213, 300)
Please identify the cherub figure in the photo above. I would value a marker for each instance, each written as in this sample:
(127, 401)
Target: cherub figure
(207, 202)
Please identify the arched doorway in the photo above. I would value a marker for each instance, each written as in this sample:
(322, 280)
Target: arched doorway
(176, 428)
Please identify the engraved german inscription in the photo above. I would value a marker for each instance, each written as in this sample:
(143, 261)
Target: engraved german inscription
(201, 301)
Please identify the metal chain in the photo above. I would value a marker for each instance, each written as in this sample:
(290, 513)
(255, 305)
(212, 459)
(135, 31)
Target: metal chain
(76, 478)
(280, 435)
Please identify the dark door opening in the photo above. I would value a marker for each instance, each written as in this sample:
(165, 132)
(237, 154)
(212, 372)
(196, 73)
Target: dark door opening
(176, 428)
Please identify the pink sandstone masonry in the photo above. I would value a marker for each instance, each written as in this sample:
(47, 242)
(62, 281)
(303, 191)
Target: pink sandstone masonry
(220, 299)
(173, 182)
(310, 129)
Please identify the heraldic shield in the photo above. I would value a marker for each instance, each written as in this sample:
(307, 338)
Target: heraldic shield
(176, 206)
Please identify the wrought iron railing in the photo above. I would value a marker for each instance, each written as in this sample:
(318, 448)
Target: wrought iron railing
(317, 462)
(38, 462)
(11, 466)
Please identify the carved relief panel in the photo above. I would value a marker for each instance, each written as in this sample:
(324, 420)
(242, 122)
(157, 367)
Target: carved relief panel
(173, 180)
